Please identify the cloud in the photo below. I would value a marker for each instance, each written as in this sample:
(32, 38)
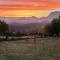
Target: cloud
(29, 4)
(54, 0)
(22, 2)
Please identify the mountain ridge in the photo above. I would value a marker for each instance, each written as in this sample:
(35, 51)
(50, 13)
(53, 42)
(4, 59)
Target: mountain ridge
(27, 23)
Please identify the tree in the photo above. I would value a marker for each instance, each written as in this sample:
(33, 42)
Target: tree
(53, 27)
(4, 29)
(48, 29)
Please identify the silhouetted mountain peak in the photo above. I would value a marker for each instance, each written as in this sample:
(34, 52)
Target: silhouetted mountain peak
(55, 14)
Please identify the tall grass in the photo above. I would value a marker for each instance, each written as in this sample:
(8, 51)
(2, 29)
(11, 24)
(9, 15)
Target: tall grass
(43, 49)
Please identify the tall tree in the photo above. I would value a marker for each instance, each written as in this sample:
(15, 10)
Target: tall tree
(4, 28)
(53, 27)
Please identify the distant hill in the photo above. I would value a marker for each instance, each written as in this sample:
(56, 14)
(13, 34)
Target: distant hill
(33, 19)
(28, 23)
(29, 26)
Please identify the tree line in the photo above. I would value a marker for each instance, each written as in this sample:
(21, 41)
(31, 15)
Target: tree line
(51, 29)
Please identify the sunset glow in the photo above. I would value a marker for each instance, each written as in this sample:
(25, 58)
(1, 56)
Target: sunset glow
(28, 8)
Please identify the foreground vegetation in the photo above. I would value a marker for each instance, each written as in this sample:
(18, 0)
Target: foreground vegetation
(43, 49)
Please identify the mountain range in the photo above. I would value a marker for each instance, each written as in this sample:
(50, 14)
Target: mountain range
(27, 23)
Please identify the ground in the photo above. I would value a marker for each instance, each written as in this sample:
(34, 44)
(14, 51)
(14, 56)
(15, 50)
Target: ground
(43, 49)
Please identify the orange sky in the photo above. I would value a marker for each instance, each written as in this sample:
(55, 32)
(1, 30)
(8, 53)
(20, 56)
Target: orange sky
(47, 6)
(28, 7)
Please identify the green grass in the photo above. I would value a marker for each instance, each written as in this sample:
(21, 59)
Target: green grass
(43, 49)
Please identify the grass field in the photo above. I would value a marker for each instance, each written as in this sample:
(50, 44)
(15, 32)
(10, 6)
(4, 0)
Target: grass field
(43, 49)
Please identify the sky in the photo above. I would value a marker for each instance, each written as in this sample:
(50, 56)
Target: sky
(28, 8)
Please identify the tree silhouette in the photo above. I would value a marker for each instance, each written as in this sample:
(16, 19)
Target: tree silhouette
(4, 29)
(53, 28)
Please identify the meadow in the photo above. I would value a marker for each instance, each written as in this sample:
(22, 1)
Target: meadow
(43, 49)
